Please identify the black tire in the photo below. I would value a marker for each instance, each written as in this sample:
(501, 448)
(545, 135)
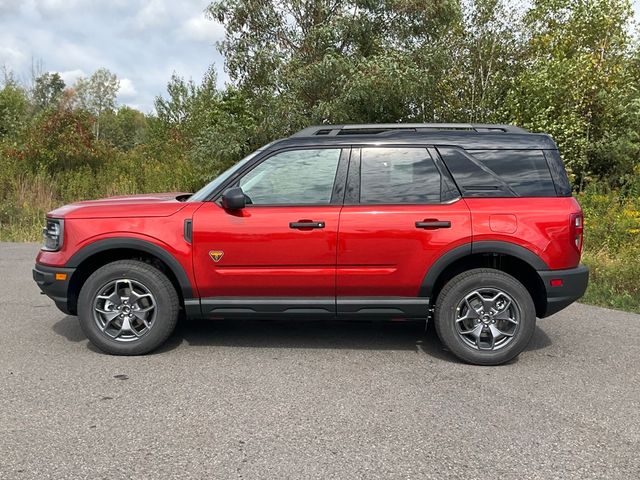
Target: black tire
(455, 291)
(167, 305)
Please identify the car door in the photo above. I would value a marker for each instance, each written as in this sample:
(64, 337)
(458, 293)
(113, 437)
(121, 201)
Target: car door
(402, 211)
(278, 254)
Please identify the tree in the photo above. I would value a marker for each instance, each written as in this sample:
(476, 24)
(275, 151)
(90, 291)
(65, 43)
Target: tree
(124, 128)
(214, 128)
(97, 94)
(14, 107)
(176, 109)
(60, 140)
(47, 91)
(578, 85)
(332, 60)
(485, 58)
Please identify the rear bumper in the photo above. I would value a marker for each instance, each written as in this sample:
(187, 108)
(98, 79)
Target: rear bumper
(574, 284)
(56, 290)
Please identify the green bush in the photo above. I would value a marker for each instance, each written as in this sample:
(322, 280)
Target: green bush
(612, 247)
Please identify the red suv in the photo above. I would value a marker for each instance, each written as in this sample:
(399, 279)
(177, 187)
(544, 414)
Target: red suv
(472, 225)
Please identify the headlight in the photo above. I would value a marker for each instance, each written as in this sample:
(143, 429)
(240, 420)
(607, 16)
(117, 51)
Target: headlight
(52, 234)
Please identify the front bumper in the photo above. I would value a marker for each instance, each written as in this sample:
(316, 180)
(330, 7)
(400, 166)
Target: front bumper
(574, 284)
(56, 290)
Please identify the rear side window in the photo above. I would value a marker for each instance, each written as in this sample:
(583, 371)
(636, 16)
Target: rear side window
(473, 178)
(525, 171)
(500, 173)
(399, 175)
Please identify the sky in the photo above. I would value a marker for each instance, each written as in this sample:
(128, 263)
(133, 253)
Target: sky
(142, 41)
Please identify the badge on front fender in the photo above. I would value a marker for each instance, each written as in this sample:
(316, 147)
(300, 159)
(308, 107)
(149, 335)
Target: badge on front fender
(216, 255)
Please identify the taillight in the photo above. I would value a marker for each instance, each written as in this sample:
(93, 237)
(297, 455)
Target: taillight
(577, 229)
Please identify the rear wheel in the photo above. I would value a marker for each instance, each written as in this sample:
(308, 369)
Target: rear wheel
(128, 307)
(485, 316)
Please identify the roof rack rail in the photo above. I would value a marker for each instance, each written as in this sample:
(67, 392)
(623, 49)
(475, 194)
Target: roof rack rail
(378, 128)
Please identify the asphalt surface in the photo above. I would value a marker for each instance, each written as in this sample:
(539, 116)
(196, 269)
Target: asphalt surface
(312, 400)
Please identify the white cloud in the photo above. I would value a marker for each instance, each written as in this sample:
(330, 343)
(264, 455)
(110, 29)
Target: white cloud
(152, 14)
(11, 56)
(9, 6)
(141, 41)
(53, 7)
(200, 29)
(126, 88)
(70, 76)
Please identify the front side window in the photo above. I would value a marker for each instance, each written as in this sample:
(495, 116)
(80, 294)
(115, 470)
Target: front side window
(399, 175)
(295, 177)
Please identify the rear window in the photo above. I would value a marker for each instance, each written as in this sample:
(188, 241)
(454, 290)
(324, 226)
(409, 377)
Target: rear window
(525, 171)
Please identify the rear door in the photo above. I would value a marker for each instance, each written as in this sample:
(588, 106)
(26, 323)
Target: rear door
(277, 255)
(401, 213)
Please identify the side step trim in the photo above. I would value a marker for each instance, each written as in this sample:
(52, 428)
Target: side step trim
(352, 308)
(232, 307)
(366, 307)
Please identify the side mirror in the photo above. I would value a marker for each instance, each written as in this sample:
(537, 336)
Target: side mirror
(233, 199)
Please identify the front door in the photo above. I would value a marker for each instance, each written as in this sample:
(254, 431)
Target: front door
(278, 254)
(401, 213)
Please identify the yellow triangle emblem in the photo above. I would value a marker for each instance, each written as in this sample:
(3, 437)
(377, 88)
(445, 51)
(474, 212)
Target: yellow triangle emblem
(216, 255)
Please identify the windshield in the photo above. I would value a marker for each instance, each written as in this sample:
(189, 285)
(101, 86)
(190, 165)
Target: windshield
(202, 194)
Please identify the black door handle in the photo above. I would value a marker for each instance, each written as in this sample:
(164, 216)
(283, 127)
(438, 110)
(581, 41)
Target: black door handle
(306, 224)
(433, 224)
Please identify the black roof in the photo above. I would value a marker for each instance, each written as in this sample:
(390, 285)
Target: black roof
(467, 136)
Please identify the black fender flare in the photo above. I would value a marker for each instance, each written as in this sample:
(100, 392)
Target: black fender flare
(135, 244)
(471, 248)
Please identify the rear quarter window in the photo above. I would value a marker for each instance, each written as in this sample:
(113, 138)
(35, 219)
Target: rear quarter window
(525, 171)
(473, 178)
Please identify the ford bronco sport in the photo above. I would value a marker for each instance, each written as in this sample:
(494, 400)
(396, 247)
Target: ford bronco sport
(473, 225)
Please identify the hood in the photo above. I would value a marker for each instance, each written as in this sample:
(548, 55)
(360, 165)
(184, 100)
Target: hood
(130, 206)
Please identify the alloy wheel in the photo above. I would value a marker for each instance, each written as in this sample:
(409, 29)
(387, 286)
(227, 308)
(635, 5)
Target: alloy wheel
(487, 319)
(124, 310)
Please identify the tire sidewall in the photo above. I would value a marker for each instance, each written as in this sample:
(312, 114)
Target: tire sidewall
(464, 284)
(154, 280)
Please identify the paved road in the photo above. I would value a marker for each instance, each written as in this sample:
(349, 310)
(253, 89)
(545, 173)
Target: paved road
(312, 400)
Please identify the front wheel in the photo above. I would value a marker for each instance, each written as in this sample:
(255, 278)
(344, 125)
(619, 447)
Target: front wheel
(128, 307)
(485, 316)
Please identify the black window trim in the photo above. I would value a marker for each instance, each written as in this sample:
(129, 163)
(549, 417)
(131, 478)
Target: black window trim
(352, 191)
(340, 176)
(352, 195)
(446, 175)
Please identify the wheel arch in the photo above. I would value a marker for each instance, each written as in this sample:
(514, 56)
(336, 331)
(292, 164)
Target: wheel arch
(101, 252)
(517, 261)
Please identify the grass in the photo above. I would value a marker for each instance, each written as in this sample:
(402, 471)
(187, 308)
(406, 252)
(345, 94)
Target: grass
(612, 250)
(613, 281)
